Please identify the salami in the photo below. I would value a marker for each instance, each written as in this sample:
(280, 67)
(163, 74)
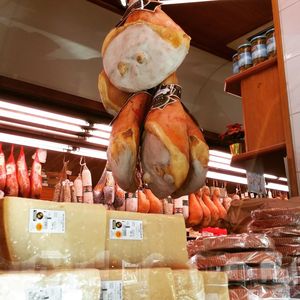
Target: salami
(11, 188)
(36, 178)
(87, 185)
(22, 174)
(2, 169)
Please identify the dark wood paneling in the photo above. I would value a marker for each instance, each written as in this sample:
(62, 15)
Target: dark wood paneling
(212, 25)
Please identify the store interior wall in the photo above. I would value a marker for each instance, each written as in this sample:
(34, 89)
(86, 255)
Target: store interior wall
(57, 44)
(290, 29)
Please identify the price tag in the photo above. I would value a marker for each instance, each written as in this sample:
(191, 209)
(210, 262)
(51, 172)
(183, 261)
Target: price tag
(111, 290)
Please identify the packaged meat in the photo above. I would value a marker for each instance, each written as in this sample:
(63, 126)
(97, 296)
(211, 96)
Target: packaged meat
(22, 173)
(122, 152)
(236, 242)
(195, 246)
(87, 185)
(289, 250)
(262, 214)
(144, 49)
(165, 148)
(252, 258)
(259, 291)
(12, 187)
(36, 178)
(276, 221)
(2, 169)
(263, 275)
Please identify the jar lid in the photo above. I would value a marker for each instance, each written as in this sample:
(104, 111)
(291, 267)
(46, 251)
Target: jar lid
(244, 45)
(270, 30)
(258, 37)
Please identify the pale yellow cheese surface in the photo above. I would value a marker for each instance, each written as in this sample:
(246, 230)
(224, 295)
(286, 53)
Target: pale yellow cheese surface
(216, 285)
(143, 284)
(81, 245)
(65, 284)
(188, 285)
(163, 243)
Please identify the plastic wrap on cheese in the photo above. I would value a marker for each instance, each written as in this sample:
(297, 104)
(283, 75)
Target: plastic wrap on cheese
(145, 240)
(45, 234)
(62, 285)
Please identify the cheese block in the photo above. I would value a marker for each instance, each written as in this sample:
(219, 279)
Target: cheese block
(129, 284)
(145, 240)
(37, 233)
(188, 284)
(58, 285)
(215, 285)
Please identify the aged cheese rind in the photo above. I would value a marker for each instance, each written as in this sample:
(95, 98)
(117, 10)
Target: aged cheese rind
(72, 284)
(163, 243)
(143, 284)
(188, 284)
(82, 244)
(216, 285)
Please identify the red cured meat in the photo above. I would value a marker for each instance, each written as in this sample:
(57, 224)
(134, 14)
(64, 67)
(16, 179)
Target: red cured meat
(12, 187)
(2, 169)
(22, 174)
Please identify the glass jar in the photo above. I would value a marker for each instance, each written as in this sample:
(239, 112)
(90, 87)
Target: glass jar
(259, 49)
(244, 56)
(235, 64)
(271, 42)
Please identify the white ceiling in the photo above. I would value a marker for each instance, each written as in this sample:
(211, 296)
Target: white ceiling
(57, 44)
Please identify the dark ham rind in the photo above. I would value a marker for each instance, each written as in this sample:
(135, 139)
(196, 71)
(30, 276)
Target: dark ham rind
(244, 258)
(266, 213)
(2, 169)
(12, 187)
(22, 174)
(270, 275)
(36, 178)
(261, 291)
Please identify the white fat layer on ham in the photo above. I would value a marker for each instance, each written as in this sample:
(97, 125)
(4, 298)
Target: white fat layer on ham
(123, 168)
(138, 59)
(156, 157)
(195, 179)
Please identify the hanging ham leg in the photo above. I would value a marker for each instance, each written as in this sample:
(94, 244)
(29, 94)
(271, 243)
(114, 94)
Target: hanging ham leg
(211, 206)
(124, 141)
(216, 199)
(2, 169)
(198, 160)
(165, 147)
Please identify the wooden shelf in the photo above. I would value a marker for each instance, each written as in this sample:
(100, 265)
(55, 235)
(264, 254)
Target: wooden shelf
(233, 83)
(269, 160)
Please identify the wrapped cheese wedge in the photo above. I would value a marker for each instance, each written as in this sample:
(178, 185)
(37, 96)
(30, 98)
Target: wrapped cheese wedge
(60, 284)
(165, 147)
(124, 141)
(198, 160)
(112, 98)
(144, 50)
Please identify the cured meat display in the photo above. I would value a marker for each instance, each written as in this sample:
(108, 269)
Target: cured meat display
(144, 49)
(142, 53)
(22, 173)
(2, 170)
(36, 178)
(11, 187)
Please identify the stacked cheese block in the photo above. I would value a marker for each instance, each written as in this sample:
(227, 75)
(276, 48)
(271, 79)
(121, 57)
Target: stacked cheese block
(49, 249)
(252, 266)
(282, 224)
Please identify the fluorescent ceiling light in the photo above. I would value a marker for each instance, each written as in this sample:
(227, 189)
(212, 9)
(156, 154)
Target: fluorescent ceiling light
(42, 113)
(219, 159)
(225, 177)
(36, 143)
(39, 129)
(41, 121)
(100, 133)
(103, 127)
(90, 153)
(278, 187)
(220, 154)
(268, 176)
(98, 141)
(167, 2)
(225, 167)
(282, 179)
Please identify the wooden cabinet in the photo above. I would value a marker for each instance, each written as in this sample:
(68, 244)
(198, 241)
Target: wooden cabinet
(258, 88)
